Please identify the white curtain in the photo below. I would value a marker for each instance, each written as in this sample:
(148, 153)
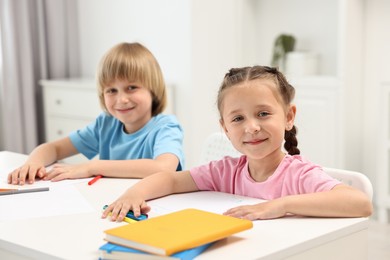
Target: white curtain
(39, 40)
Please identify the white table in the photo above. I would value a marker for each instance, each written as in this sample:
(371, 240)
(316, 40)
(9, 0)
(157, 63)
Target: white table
(78, 236)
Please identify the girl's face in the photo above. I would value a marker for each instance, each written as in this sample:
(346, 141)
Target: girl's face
(254, 120)
(129, 102)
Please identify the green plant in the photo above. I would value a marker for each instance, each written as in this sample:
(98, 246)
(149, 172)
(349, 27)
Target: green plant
(284, 43)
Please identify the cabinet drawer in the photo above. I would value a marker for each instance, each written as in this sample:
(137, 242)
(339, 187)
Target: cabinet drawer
(59, 127)
(77, 103)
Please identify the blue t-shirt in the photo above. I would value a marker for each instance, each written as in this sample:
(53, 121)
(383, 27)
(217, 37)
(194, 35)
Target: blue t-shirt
(106, 137)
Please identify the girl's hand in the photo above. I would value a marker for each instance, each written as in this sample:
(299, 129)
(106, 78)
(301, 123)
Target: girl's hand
(61, 172)
(26, 173)
(119, 208)
(265, 210)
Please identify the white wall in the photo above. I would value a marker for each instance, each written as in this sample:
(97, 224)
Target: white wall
(314, 24)
(1, 93)
(163, 26)
(216, 47)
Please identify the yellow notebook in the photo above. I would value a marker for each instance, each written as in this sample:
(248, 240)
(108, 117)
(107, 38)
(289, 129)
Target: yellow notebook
(177, 231)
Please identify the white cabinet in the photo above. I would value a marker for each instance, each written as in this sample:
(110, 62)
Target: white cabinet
(69, 104)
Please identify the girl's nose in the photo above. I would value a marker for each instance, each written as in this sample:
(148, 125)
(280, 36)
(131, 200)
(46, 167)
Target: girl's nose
(252, 127)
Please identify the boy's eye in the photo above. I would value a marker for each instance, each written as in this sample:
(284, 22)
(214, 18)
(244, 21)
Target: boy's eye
(237, 119)
(132, 87)
(110, 90)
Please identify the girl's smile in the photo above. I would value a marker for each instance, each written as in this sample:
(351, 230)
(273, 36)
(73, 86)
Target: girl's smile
(254, 141)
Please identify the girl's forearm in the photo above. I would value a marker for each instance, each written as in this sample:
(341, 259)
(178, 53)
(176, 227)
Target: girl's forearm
(164, 183)
(339, 202)
(154, 186)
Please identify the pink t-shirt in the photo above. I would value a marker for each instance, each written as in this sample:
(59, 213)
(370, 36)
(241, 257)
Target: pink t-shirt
(294, 175)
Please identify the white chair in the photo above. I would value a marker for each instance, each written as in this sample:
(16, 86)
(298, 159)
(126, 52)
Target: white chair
(352, 178)
(217, 145)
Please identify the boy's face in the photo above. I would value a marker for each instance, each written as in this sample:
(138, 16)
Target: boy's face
(254, 120)
(129, 102)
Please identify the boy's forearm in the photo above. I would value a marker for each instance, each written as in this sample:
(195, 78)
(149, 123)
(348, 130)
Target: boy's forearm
(44, 154)
(342, 202)
(139, 168)
(48, 153)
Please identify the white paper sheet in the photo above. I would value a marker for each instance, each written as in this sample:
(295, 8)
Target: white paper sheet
(15, 161)
(39, 183)
(60, 200)
(223, 200)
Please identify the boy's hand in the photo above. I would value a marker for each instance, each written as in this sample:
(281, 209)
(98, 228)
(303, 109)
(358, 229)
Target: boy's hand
(61, 172)
(26, 174)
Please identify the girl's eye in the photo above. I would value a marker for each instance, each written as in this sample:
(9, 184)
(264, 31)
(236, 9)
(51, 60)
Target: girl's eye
(264, 114)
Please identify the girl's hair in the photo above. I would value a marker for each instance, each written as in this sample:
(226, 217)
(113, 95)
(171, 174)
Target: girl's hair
(285, 95)
(134, 63)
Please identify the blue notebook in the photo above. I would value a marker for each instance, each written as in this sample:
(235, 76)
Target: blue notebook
(111, 251)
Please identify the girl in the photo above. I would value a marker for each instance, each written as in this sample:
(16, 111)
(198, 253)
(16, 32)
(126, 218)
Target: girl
(257, 116)
(133, 139)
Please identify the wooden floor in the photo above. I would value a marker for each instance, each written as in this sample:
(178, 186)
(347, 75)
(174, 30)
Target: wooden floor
(378, 240)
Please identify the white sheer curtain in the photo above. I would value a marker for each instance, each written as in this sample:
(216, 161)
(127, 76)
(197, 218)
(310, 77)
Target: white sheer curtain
(39, 40)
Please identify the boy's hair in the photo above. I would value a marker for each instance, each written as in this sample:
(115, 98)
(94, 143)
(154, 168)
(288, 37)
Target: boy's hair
(285, 95)
(134, 63)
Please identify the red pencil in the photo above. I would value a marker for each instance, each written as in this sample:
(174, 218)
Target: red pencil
(97, 177)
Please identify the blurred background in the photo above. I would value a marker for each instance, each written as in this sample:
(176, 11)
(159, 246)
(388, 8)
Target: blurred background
(50, 51)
